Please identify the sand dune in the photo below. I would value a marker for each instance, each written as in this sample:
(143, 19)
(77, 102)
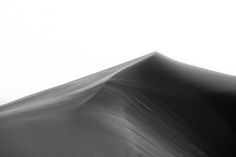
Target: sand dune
(148, 107)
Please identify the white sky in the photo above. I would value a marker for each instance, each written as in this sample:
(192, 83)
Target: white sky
(44, 43)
